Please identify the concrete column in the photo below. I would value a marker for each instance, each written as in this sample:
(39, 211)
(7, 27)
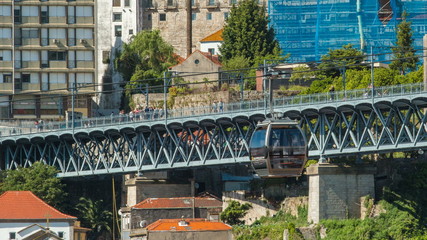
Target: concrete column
(335, 191)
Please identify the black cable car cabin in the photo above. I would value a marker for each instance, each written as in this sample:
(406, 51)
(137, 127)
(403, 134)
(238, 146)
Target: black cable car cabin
(278, 149)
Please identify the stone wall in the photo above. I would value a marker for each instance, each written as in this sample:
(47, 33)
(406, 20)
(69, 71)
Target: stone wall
(291, 204)
(206, 98)
(139, 189)
(259, 207)
(335, 191)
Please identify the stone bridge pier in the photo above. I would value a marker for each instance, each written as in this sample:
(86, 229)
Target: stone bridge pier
(335, 191)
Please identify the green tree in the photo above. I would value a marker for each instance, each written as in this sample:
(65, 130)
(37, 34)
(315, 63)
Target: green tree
(94, 216)
(405, 59)
(146, 57)
(302, 74)
(336, 60)
(246, 33)
(39, 178)
(232, 214)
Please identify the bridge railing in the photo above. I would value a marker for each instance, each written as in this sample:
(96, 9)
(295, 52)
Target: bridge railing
(160, 114)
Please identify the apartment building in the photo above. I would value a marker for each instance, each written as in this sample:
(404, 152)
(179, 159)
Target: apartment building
(46, 48)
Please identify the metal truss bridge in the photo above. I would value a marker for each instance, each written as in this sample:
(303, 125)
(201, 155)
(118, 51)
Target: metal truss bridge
(351, 123)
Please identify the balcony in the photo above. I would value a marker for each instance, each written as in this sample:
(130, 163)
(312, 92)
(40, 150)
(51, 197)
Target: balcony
(34, 20)
(212, 4)
(171, 4)
(6, 87)
(85, 64)
(62, 20)
(30, 41)
(6, 41)
(5, 19)
(58, 64)
(5, 64)
(84, 20)
(30, 87)
(30, 64)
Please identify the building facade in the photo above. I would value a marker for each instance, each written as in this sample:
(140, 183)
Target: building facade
(308, 29)
(25, 216)
(46, 48)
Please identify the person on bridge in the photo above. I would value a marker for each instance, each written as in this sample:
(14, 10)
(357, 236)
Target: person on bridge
(332, 92)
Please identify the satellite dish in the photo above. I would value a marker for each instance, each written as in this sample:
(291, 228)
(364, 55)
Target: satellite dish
(143, 223)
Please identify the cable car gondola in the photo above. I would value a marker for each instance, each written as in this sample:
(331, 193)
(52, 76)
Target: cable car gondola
(278, 149)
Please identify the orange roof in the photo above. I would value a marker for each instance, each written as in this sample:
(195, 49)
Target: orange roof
(181, 202)
(213, 58)
(214, 37)
(26, 205)
(197, 224)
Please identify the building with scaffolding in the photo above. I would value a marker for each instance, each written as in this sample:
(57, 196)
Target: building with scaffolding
(307, 29)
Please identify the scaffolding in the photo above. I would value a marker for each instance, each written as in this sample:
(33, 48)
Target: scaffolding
(307, 29)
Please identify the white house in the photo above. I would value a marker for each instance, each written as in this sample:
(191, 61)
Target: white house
(25, 216)
(212, 43)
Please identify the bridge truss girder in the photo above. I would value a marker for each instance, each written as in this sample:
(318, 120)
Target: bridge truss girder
(345, 130)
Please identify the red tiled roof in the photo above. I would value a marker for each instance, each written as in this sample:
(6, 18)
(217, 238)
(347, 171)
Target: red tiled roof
(26, 205)
(214, 37)
(198, 224)
(213, 58)
(182, 202)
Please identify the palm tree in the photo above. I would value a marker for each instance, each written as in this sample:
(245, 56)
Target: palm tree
(94, 216)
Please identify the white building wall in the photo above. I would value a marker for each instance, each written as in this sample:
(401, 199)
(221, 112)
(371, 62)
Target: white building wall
(205, 46)
(6, 228)
(107, 41)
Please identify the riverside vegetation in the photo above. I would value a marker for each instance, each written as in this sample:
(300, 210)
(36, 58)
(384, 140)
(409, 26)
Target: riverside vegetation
(404, 216)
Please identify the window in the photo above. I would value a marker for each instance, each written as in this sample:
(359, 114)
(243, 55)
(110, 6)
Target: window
(105, 57)
(44, 17)
(225, 15)
(57, 11)
(118, 30)
(61, 234)
(30, 11)
(117, 17)
(193, 3)
(162, 16)
(7, 78)
(5, 11)
(116, 3)
(6, 33)
(170, 3)
(149, 17)
(208, 16)
(130, 31)
(86, 11)
(57, 56)
(211, 51)
(211, 2)
(127, 3)
(233, 1)
(17, 13)
(26, 78)
(30, 33)
(12, 235)
(193, 16)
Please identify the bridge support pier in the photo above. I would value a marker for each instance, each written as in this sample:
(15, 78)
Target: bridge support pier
(335, 191)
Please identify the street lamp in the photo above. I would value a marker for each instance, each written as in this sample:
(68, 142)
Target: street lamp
(166, 82)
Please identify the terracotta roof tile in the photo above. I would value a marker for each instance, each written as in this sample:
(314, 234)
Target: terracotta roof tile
(214, 37)
(26, 205)
(197, 224)
(213, 58)
(182, 202)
